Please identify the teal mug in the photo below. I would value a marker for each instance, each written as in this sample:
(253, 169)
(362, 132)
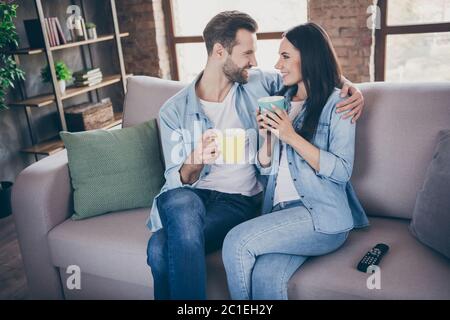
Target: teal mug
(266, 103)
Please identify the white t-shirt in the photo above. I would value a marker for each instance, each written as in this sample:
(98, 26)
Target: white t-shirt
(228, 178)
(285, 189)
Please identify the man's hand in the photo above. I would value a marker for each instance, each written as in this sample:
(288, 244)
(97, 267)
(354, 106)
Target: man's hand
(206, 151)
(354, 104)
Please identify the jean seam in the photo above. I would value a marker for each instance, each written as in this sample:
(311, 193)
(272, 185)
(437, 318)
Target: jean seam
(285, 281)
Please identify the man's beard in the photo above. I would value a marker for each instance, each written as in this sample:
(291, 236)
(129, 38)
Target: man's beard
(234, 73)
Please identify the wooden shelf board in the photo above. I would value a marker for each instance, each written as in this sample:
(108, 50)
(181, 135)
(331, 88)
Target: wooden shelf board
(30, 51)
(36, 102)
(74, 91)
(54, 145)
(47, 99)
(84, 42)
(25, 51)
(47, 147)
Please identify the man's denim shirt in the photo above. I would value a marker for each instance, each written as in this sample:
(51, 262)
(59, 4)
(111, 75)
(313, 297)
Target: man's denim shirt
(327, 194)
(182, 122)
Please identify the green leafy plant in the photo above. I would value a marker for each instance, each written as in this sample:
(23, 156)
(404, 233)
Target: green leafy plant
(90, 25)
(61, 69)
(9, 40)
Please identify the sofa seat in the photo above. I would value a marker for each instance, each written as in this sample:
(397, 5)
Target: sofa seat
(114, 246)
(409, 270)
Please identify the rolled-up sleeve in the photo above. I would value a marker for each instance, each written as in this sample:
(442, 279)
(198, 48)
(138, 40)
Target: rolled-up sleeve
(265, 171)
(336, 163)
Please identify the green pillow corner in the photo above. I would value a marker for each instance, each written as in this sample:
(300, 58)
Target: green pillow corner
(113, 170)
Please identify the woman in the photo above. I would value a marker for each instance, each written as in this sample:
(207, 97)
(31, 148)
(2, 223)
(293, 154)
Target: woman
(311, 203)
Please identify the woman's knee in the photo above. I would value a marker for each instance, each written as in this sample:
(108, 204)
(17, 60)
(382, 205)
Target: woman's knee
(233, 246)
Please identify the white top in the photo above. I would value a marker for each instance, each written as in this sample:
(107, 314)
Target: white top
(223, 177)
(285, 189)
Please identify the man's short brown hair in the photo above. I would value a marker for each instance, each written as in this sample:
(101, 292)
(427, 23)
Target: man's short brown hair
(223, 27)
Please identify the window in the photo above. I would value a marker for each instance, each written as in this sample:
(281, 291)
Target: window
(413, 42)
(186, 19)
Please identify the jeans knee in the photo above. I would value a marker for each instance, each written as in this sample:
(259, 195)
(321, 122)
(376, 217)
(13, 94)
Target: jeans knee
(155, 251)
(181, 204)
(233, 247)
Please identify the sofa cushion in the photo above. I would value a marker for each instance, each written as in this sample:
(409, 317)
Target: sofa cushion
(114, 170)
(114, 246)
(395, 140)
(431, 216)
(409, 270)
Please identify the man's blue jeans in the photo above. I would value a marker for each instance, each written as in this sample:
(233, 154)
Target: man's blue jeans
(195, 222)
(262, 254)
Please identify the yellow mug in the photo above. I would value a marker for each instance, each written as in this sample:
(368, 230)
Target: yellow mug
(231, 144)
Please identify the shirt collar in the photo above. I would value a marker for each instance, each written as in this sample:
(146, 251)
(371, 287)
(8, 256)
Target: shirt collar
(193, 102)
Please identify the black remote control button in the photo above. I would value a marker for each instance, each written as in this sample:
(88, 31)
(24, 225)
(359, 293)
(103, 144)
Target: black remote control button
(373, 257)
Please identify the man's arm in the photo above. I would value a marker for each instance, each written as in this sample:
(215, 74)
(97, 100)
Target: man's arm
(354, 104)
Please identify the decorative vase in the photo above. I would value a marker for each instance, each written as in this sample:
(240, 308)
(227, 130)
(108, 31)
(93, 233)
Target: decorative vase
(78, 29)
(62, 85)
(92, 33)
(5, 199)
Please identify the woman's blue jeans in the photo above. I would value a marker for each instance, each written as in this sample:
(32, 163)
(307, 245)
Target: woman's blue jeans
(261, 255)
(195, 223)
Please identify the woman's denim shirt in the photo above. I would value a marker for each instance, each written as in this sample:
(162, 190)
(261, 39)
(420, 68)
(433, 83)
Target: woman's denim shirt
(327, 194)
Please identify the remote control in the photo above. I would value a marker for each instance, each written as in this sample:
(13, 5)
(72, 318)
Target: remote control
(373, 257)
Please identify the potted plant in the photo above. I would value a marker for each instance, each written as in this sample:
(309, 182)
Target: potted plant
(91, 30)
(9, 40)
(63, 73)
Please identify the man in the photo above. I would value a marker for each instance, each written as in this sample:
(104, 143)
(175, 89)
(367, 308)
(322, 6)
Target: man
(201, 200)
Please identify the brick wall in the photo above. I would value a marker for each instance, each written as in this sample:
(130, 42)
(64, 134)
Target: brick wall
(346, 23)
(145, 50)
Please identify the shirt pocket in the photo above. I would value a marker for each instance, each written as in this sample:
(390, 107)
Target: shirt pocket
(321, 136)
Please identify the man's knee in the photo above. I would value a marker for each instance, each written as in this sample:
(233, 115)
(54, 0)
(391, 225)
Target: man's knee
(155, 250)
(181, 206)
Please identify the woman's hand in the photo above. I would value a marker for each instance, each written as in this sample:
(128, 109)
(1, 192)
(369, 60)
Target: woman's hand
(279, 124)
(260, 121)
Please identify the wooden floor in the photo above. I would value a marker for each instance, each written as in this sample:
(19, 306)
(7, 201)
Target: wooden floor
(13, 283)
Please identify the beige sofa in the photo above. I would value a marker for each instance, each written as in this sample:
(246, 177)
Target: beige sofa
(395, 140)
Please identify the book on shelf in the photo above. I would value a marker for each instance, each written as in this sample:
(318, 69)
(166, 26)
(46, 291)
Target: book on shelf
(86, 72)
(89, 77)
(51, 41)
(59, 31)
(88, 83)
(52, 29)
(34, 33)
(54, 32)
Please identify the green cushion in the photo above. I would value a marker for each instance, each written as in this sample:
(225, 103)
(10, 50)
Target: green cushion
(113, 170)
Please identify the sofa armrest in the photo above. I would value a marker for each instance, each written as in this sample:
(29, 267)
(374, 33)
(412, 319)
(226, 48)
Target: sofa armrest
(41, 199)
